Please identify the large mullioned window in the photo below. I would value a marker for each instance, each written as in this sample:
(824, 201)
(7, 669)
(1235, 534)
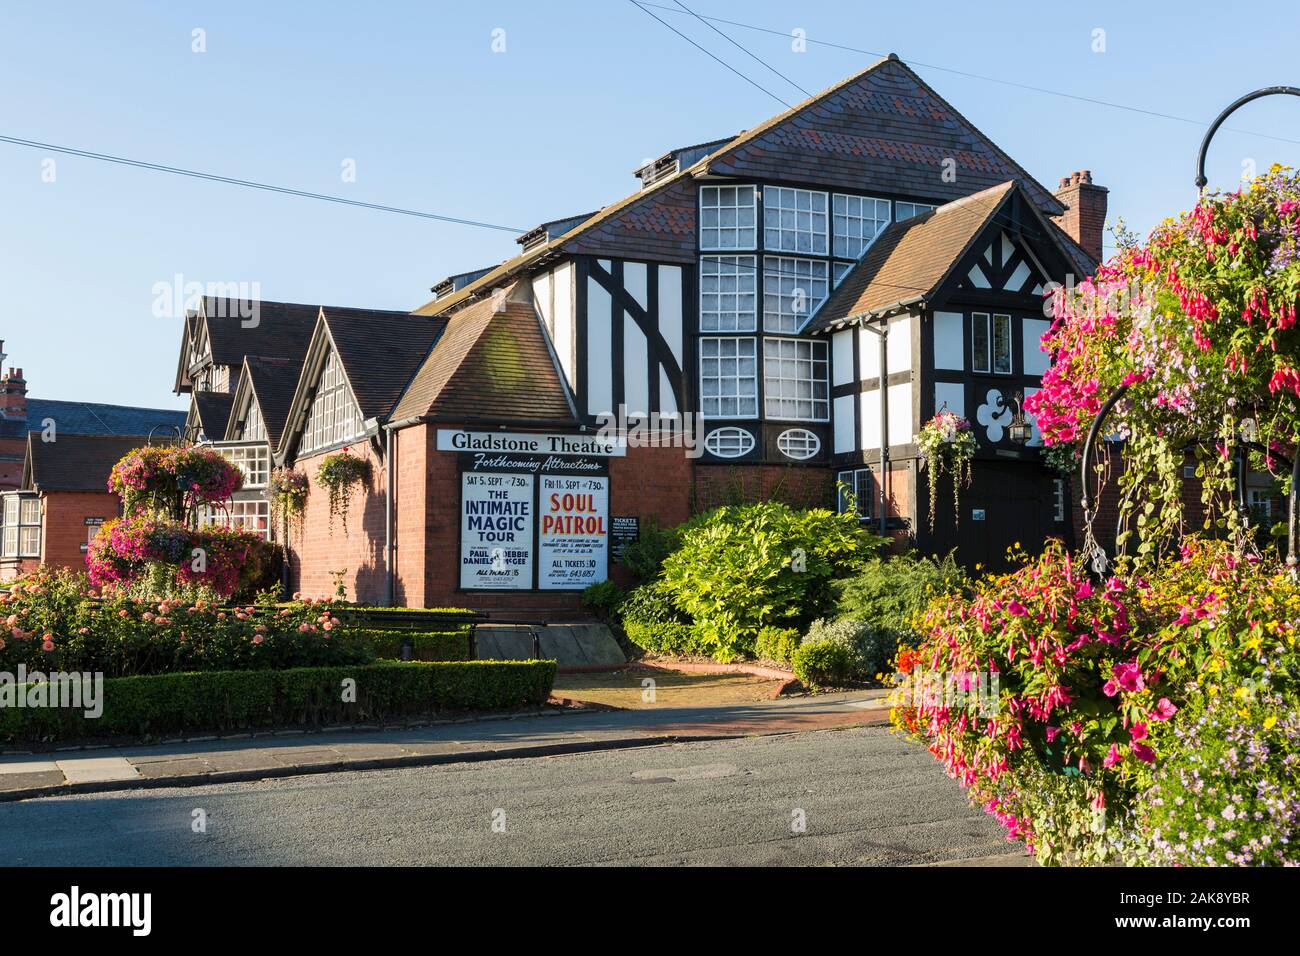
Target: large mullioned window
(333, 417)
(728, 293)
(794, 220)
(20, 534)
(793, 289)
(857, 222)
(795, 376)
(728, 217)
(728, 377)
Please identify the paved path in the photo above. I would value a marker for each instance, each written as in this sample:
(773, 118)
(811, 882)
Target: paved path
(866, 797)
(550, 732)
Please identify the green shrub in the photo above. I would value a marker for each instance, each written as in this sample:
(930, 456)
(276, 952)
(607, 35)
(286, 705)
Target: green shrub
(870, 649)
(741, 568)
(602, 597)
(160, 704)
(777, 644)
(889, 593)
(401, 618)
(666, 637)
(425, 645)
(650, 603)
(823, 663)
(645, 556)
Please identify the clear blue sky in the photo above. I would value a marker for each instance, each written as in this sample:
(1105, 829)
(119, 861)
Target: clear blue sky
(435, 120)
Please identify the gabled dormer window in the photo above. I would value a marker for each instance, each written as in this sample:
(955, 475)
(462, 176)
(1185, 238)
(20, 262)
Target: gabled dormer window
(333, 417)
(252, 428)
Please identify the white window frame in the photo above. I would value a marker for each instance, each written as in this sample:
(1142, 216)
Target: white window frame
(783, 277)
(1261, 499)
(858, 481)
(783, 355)
(18, 529)
(333, 417)
(746, 399)
(798, 444)
(1004, 320)
(253, 459)
(252, 428)
(838, 271)
(913, 209)
(850, 215)
(795, 221)
(734, 278)
(737, 203)
(980, 320)
(252, 514)
(717, 442)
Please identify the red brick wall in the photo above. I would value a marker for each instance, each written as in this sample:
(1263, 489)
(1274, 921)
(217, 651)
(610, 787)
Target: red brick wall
(1107, 507)
(358, 550)
(12, 453)
(64, 530)
(799, 487)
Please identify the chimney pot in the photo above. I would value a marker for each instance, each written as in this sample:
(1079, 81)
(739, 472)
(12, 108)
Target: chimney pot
(1084, 219)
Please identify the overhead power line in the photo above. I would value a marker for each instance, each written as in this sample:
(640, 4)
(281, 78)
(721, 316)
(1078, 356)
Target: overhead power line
(250, 184)
(743, 49)
(785, 34)
(758, 86)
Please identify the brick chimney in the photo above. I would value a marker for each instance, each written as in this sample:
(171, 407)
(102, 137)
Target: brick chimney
(13, 395)
(1084, 219)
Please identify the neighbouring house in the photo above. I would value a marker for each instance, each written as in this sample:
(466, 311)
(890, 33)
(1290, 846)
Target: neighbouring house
(808, 293)
(66, 442)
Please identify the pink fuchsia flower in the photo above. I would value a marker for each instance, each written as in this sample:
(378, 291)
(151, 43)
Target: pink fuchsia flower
(1144, 753)
(1112, 757)
(1138, 731)
(1016, 609)
(1164, 709)
(1099, 801)
(1052, 733)
(1084, 591)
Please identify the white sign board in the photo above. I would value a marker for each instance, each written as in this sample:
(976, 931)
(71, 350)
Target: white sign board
(496, 531)
(573, 543)
(529, 443)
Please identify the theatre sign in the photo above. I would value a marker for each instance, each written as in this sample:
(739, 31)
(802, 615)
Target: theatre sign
(534, 509)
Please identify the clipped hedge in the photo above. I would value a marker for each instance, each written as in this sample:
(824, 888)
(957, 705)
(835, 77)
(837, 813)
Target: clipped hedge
(426, 646)
(401, 618)
(666, 637)
(160, 704)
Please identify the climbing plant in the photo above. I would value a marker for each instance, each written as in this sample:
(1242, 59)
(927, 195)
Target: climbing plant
(288, 490)
(338, 474)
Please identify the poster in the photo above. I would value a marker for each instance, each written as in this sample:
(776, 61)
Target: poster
(623, 530)
(496, 531)
(573, 543)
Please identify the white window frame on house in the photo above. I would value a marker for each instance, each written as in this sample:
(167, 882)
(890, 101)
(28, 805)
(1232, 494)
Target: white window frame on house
(907, 210)
(1260, 499)
(728, 218)
(796, 380)
(252, 428)
(20, 526)
(856, 222)
(729, 442)
(838, 271)
(798, 444)
(251, 514)
(784, 278)
(728, 374)
(333, 417)
(253, 459)
(728, 293)
(1001, 356)
(857, 480)
(795, 220)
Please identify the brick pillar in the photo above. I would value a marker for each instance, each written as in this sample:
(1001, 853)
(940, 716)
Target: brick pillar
(1084, 219)
(13, 395)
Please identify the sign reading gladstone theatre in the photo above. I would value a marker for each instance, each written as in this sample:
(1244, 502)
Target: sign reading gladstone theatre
(534, 509)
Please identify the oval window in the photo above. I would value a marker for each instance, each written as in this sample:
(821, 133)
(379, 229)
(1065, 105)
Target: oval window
(798, 443)
(729, 442)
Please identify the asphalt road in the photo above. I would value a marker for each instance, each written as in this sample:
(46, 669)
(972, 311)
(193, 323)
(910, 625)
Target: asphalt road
(865, 797)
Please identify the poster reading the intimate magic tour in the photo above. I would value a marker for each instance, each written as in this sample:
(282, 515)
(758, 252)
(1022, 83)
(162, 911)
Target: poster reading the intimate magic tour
(573, 544)
(496, 531)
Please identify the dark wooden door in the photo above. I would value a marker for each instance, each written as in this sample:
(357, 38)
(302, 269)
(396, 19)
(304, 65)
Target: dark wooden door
(1007, 503)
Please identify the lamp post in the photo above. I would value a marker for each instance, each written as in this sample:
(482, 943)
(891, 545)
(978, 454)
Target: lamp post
(1214, 127)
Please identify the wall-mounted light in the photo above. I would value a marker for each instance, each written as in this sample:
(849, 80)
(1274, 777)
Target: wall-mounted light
(1020, 430)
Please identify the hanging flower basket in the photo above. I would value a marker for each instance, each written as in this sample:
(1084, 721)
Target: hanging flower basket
(948, 445)
(338, 473)
(288, 490)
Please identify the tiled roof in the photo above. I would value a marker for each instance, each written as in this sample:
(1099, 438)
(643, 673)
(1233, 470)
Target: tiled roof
(90, 418)
(492, 362)
(273, 382)
(282, 329)
(213, 410)
(910, 259)
(76, 462)
(881, 129)
(379, 361)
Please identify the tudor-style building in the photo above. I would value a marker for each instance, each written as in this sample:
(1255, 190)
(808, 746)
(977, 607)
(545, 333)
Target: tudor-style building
(744, 284)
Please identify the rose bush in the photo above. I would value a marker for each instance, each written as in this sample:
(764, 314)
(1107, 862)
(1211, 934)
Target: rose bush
(55, 621)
